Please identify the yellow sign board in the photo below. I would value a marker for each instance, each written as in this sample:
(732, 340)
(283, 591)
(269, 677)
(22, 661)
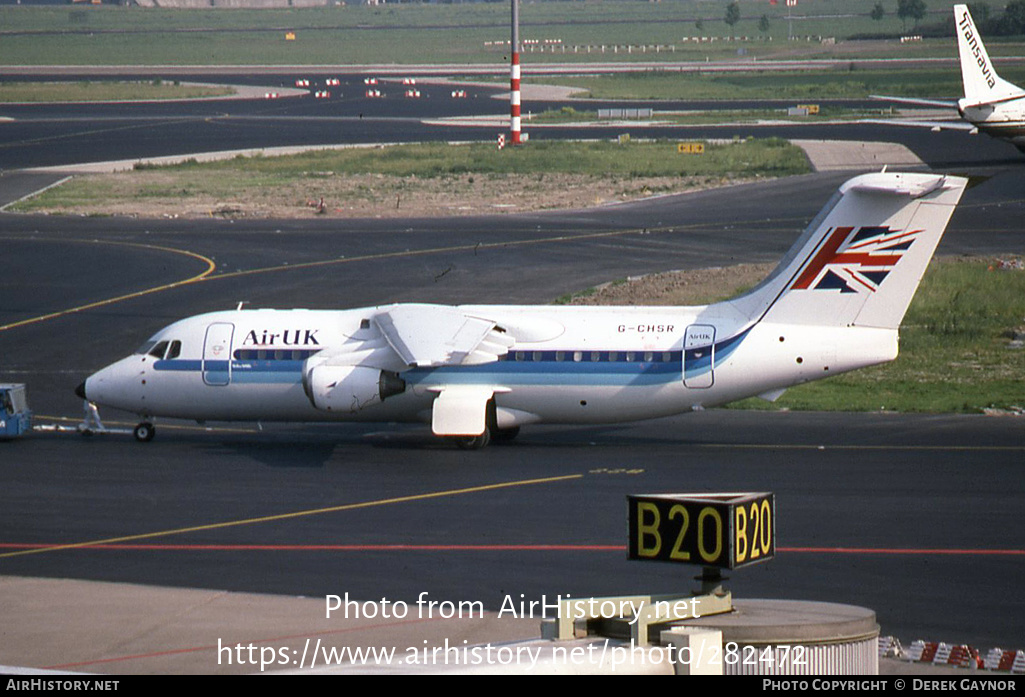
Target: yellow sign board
(721, 530)
(691, 148)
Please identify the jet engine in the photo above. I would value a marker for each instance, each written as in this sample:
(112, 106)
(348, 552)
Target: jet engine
(349, 388)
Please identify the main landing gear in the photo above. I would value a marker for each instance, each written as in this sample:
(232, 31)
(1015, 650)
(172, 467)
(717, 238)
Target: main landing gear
(492, 434)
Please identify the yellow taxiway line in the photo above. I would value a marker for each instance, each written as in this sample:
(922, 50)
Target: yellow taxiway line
(295, 514)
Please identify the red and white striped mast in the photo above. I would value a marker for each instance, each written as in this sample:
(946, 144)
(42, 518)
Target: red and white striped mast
(514, 77)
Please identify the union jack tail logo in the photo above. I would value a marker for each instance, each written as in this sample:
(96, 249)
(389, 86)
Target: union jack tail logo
(854, 260)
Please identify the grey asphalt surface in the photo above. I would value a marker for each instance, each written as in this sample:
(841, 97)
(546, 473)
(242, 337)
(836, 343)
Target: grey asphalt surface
(900, 513)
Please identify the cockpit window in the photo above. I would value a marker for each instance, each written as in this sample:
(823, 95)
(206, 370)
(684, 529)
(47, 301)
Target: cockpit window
(144, 349)
(174, 350)
(158, 350)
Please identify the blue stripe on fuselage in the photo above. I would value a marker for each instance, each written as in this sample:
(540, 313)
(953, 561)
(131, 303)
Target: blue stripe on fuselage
(523, 367)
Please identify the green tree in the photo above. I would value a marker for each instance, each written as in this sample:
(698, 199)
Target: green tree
(763, 24)
(914, 9)
(732, 15)
(1013, 19)
(981, 13)
(878, 12)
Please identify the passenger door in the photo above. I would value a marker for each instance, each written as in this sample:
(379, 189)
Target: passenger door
(217, 353)
(699, 356)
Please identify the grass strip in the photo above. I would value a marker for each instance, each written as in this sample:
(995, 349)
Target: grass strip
(479, 170)
(91, 91)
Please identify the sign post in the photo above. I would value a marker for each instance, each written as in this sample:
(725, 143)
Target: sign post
(711, 530)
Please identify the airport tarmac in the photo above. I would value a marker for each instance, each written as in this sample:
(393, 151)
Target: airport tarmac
(902, 514)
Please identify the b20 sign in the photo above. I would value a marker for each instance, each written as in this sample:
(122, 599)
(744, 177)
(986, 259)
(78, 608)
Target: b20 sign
(719, 530)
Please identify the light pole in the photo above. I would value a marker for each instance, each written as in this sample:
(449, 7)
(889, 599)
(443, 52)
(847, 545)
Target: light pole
(514, 77)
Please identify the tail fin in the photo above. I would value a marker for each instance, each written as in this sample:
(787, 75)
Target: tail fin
(861, 259)
(982, 85)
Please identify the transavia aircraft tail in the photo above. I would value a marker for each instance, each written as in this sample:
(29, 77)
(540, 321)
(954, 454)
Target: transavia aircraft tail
(990, 103)
(477, 372)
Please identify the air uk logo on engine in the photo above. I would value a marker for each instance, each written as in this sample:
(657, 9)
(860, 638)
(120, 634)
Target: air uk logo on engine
(288, 337)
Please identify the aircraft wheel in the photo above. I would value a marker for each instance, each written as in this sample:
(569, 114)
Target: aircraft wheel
(504, 435)
(144, 432)
(474, 442)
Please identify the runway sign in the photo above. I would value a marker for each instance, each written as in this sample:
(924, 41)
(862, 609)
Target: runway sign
(719, 530)
(690, 148)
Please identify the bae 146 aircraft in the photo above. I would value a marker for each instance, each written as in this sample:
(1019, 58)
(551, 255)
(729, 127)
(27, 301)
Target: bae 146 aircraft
(990, 104)
(480, 372)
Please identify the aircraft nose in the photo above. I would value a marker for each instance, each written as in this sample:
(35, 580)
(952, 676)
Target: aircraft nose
(80, 390)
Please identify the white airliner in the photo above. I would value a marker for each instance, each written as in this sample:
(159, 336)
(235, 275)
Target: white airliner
(479, 372)
(990, 104)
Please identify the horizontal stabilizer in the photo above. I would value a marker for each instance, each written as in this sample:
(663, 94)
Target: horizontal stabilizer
(914, 101)
(924, 123)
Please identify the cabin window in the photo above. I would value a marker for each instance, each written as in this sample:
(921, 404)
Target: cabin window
(631, 356)
(560, 355)
(648, 356)
(613, 356)
(274, 355)
(538, 355)
(578, 356)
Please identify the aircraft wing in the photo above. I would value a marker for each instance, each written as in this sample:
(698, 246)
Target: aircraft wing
(436, 335)
(916, 102)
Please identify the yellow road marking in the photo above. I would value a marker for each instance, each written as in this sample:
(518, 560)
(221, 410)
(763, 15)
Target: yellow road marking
(633, 470)
(211, 266)
(800, 446)
(296, 514)
(433, 250)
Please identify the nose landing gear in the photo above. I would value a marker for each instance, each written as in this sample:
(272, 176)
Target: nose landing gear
(144, 432)
(92, 425)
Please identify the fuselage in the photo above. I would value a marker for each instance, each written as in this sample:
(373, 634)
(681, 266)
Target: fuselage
(834, 303)
(1004, 120)
(568, 365)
